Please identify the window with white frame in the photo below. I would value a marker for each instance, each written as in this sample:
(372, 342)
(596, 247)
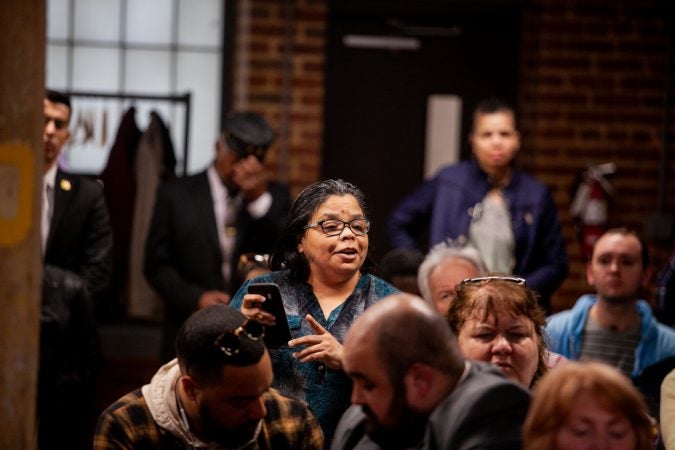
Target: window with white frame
(140, 47)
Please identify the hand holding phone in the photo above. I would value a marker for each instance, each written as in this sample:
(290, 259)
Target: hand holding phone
(279, 334)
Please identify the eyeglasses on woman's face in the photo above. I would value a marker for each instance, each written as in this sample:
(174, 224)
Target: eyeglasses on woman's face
(335, 227)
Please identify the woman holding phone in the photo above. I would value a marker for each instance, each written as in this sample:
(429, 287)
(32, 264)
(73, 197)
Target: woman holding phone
(320, 264)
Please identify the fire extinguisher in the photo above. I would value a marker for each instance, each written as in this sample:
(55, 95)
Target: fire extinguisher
(590, 206)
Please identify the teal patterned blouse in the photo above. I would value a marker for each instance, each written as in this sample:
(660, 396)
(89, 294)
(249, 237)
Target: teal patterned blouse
(326, 391)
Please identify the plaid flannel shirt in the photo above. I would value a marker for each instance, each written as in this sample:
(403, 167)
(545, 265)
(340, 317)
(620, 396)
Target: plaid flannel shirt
(128, 424)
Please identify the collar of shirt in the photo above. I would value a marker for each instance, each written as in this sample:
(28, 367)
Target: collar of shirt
(257, 208)
(49, 179)
(218, 189)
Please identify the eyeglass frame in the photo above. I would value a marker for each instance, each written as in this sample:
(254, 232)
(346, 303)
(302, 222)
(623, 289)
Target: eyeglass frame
(237, 333)
(476, 280)
(344, 225)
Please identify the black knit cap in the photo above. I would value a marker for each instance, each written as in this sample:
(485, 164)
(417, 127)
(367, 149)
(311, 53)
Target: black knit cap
(248, 133)
(196, 346)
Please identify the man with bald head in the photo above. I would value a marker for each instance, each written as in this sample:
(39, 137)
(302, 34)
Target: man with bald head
(414, 389)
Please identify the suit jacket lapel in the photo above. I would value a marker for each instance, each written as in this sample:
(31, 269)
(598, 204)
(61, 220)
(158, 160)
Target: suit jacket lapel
(204, 201)
(63, 189)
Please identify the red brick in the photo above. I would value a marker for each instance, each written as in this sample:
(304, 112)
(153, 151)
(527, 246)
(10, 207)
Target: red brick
(265, 97)
(615, 64)
(560, 62)
(591, 82)
(304, 14)
(595, 9)
(268, 30)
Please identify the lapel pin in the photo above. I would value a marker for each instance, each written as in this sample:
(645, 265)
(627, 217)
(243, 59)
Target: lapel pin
(65, 185)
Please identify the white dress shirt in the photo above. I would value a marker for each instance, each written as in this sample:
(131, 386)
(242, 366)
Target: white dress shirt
(224, 208)
(47, 210)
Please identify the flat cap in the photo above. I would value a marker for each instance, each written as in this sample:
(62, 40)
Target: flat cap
(247, 132)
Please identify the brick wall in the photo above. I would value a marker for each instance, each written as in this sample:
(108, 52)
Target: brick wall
(591, 91)
(279, 64)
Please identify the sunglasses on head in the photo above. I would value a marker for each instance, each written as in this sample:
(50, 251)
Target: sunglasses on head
(482, 280)
(230, 341)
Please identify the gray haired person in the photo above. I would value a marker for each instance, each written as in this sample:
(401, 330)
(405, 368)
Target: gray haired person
(444, 267)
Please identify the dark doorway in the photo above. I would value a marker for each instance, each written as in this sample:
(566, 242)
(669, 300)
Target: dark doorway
(376, 98)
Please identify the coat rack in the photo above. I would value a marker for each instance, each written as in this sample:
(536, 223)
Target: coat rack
(184, 99)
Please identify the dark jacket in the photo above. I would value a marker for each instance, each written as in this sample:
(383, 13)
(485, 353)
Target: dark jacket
(443, 205)
(80, 237)
(70, 355)
(119, 189)
(485, 411)
(183, 257)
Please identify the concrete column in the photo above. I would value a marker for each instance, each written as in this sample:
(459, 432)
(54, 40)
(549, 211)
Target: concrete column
(22, 56)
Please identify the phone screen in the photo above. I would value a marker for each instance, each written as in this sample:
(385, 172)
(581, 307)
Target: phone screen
(279, 334)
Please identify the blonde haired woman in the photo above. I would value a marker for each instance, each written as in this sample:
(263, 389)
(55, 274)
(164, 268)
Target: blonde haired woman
(588, 405)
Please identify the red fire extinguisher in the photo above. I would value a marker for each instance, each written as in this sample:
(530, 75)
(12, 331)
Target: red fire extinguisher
(590, 206)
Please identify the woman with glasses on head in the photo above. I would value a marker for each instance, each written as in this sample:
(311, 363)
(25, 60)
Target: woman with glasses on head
(498, 320)
(321, 265)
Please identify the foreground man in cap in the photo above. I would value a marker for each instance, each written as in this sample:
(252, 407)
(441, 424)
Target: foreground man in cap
(203, 223)
(216, 395)
(414, 389)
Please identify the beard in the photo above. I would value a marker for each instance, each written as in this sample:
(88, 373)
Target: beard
(407, 429)
(213, 431)
(619, 299)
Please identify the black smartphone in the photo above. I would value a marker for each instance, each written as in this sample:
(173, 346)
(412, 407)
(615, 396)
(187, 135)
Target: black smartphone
(279, 334)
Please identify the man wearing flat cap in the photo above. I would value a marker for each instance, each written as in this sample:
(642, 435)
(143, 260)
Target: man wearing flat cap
(202, 224)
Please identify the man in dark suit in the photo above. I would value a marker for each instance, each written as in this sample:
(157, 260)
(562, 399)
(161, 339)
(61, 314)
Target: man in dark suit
(414, 389)
(203, 223)
(76, 234)
(77, 250)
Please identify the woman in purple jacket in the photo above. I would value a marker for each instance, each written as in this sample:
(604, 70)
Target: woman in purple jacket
(491, 205)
